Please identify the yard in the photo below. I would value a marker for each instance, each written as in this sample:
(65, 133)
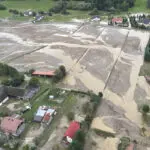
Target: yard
(140, 6)
(69, 104)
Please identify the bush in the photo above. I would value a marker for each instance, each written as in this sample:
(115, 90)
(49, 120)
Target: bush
(145, 108)
(63, 70)
(79, 5)
(4, 111)
(94, 12)
(6, 82)
(87, 108)
(2, 7)
(70, 116)
(6, 70)
(26, 147)
(17, 81)
(147, 53)
(125, 141)
(59, 7)
(60, 73)
(80, 136)
(76, 145)
(31, 71)
(34, 82)
(148, 3)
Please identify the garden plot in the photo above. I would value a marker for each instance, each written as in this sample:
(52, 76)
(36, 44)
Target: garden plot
(59, 130)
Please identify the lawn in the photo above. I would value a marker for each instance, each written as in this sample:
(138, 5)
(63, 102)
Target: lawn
(42, 99)
(29, 4)
(23, 5)
(45, 5)
(140, 6)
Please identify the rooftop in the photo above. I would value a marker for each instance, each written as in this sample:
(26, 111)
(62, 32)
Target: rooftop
(45, 73)
(73, 128)
(117, 20)
(10, 124)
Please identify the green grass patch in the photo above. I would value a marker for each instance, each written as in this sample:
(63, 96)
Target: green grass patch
(41, 100)
(45, 5)
(66, 107)
(140, 6)
(23, 5)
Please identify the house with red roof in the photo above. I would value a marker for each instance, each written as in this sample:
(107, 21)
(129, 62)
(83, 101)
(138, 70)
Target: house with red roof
(44, 114)
(71, 131)
(117, 20)
(12, 125)
(44, 73)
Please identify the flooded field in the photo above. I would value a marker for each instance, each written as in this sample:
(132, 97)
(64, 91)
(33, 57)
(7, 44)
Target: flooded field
(97, 58)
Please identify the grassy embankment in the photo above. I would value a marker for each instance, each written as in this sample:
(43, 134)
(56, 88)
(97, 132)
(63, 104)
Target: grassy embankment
(44, 5)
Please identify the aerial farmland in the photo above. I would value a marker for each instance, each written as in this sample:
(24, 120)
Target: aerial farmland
(97, 58)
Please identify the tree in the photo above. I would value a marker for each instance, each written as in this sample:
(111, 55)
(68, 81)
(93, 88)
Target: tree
(148, 3)
(26, 147)
(124, 142)
(31, 71)
(80, 136)
(60, 73)
(76, 145)
(16, 81)
(145, 108)
(6, 82)
(2, 7)
(70, 116)
(34, 82)
(124, 6)
(94, 12)
(63, 70)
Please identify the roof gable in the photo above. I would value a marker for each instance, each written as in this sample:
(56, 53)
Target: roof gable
(10, 124)
(73, 128)
(46, 73)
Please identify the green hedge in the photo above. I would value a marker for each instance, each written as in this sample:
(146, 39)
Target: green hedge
(103, 133)
(147, 53)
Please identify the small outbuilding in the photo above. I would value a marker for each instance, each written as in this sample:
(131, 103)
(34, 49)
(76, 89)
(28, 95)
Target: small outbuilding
(12, 125)
(71, 131)
(117, 20)
(44, 73)
(44, 114)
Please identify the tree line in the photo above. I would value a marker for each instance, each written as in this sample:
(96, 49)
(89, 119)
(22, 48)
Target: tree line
(14, 77)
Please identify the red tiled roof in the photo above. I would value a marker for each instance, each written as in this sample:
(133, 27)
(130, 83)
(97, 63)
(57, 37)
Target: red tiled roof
(45, 73)
(130, 147)
(46, 117)
(119, 20)
(10, 124)
(73, 128)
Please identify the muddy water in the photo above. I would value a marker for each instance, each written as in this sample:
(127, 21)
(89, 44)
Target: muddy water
(59, 54)
(110, 144)
(144, 85)
(99, 124)
(127, 101)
